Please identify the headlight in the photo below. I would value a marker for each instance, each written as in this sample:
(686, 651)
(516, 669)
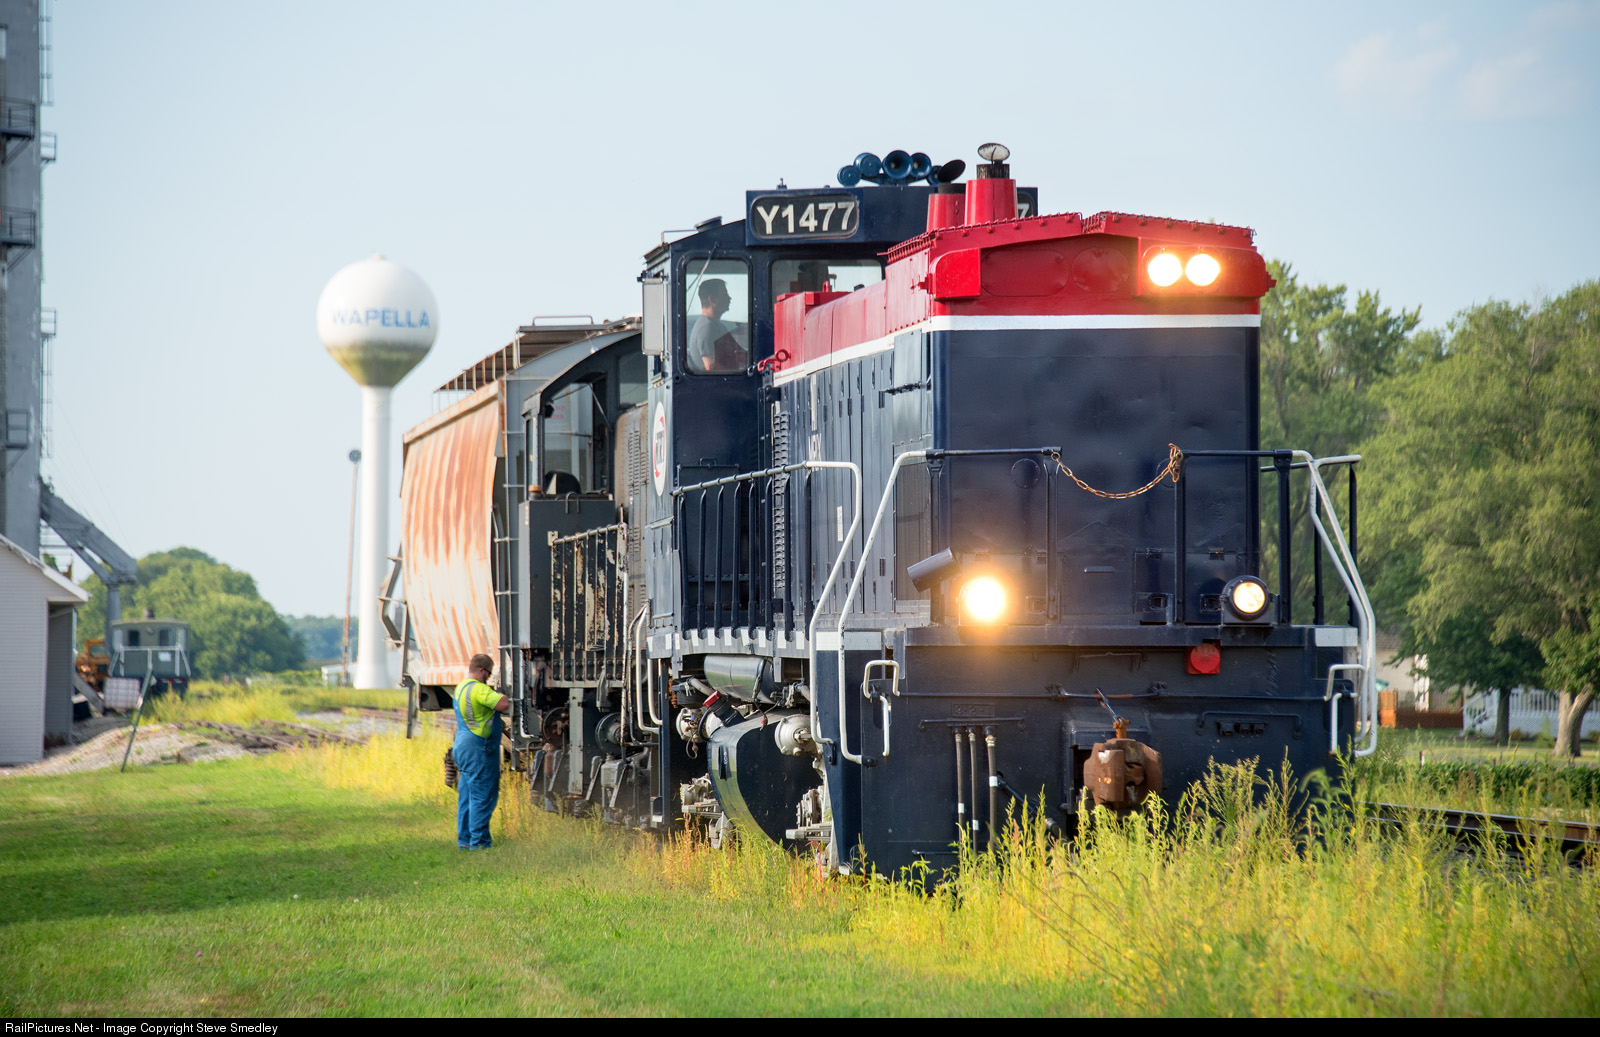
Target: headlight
(1164, 269)
(1202, 269)
(983, 599)
(1247, 597)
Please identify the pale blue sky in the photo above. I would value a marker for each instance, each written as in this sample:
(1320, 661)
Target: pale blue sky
(219, 162)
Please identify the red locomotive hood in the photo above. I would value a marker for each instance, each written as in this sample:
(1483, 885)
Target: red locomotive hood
(1053, 265)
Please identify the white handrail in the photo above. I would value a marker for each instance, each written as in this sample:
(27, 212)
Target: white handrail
(119, 665)
(642, 699)
(816, 614)
(1344, 564)
(1333, 702)
(855, 585)
(891, 666)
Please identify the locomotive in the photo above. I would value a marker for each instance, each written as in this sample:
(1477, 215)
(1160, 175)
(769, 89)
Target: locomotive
(902, 505)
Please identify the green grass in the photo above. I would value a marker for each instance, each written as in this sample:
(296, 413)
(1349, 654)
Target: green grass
(1431, 768)
(326, 882)
(250, 887)
(1450, 746)
(238, 704)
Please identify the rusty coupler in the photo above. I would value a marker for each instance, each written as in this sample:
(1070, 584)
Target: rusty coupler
(1123, 771)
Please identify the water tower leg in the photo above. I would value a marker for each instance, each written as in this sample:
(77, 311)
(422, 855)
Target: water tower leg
(372, 661)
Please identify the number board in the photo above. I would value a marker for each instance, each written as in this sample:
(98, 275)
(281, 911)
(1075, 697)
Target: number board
(793, 216)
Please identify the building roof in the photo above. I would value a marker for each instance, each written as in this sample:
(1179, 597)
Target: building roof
(58, 590)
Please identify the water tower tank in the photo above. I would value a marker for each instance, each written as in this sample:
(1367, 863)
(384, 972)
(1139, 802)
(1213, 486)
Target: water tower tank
(378, 320)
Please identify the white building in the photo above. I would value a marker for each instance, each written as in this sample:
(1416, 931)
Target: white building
(1406, 676)
(38, 607)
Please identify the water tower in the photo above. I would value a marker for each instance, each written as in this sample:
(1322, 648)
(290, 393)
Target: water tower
(378, 320)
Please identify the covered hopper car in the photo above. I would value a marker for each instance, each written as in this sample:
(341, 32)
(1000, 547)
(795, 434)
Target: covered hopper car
(902, 504)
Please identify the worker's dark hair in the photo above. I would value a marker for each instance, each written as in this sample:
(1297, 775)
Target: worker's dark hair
(481, 662)
(712, 288)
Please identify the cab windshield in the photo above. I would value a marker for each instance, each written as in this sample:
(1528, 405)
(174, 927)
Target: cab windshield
(823, 275)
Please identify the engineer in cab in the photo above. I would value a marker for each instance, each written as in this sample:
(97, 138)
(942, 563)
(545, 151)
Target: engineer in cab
(714, 348)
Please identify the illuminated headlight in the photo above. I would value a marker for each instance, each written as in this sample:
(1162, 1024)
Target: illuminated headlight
(1164, 269)
(1202, 269)
(983, 599)
(1246, 597)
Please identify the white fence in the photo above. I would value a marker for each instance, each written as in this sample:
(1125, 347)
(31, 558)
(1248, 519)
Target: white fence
(1532, 713)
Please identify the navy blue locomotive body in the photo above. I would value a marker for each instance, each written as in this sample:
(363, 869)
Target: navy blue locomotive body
(935, 507)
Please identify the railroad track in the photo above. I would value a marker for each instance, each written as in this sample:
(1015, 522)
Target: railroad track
(1577, 838)
(272, 734)
(268, 735)
(446, 720)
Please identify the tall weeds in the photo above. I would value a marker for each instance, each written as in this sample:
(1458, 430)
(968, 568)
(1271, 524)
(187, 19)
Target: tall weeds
(1257, 894)
(389, 765)
(1229, 905)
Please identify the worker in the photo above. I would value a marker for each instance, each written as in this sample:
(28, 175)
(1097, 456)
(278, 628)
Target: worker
(477, 753)
(714, 347)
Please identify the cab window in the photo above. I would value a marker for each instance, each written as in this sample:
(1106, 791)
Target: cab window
(633, 375)
(823, 275)
(716, 308)
(568, 435)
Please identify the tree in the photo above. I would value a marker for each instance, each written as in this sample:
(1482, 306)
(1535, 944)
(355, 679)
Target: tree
(1465, 652)
(1320, 359)
(323, 636)
(1573, 659)
(231, 629)
(1462, 652)
(1487, 477)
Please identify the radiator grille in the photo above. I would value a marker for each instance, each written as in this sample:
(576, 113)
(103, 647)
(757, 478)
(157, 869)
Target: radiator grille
(780, 510)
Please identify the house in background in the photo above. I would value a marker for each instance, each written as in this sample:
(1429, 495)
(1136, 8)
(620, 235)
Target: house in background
(1406, 698)
(38, 614)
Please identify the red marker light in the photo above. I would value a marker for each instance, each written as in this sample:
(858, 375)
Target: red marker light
(1205, 658)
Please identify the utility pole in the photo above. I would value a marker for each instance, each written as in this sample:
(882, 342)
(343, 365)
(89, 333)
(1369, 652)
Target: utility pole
(349, 569)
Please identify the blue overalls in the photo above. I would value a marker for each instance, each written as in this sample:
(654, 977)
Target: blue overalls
(478, 764)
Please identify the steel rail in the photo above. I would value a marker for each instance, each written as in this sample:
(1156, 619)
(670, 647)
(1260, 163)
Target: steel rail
(1574, 836)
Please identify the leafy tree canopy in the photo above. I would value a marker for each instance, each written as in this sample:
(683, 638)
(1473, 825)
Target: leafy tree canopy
(1320, 359)
(232, 631)
(1486, 481)
(323, 636)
